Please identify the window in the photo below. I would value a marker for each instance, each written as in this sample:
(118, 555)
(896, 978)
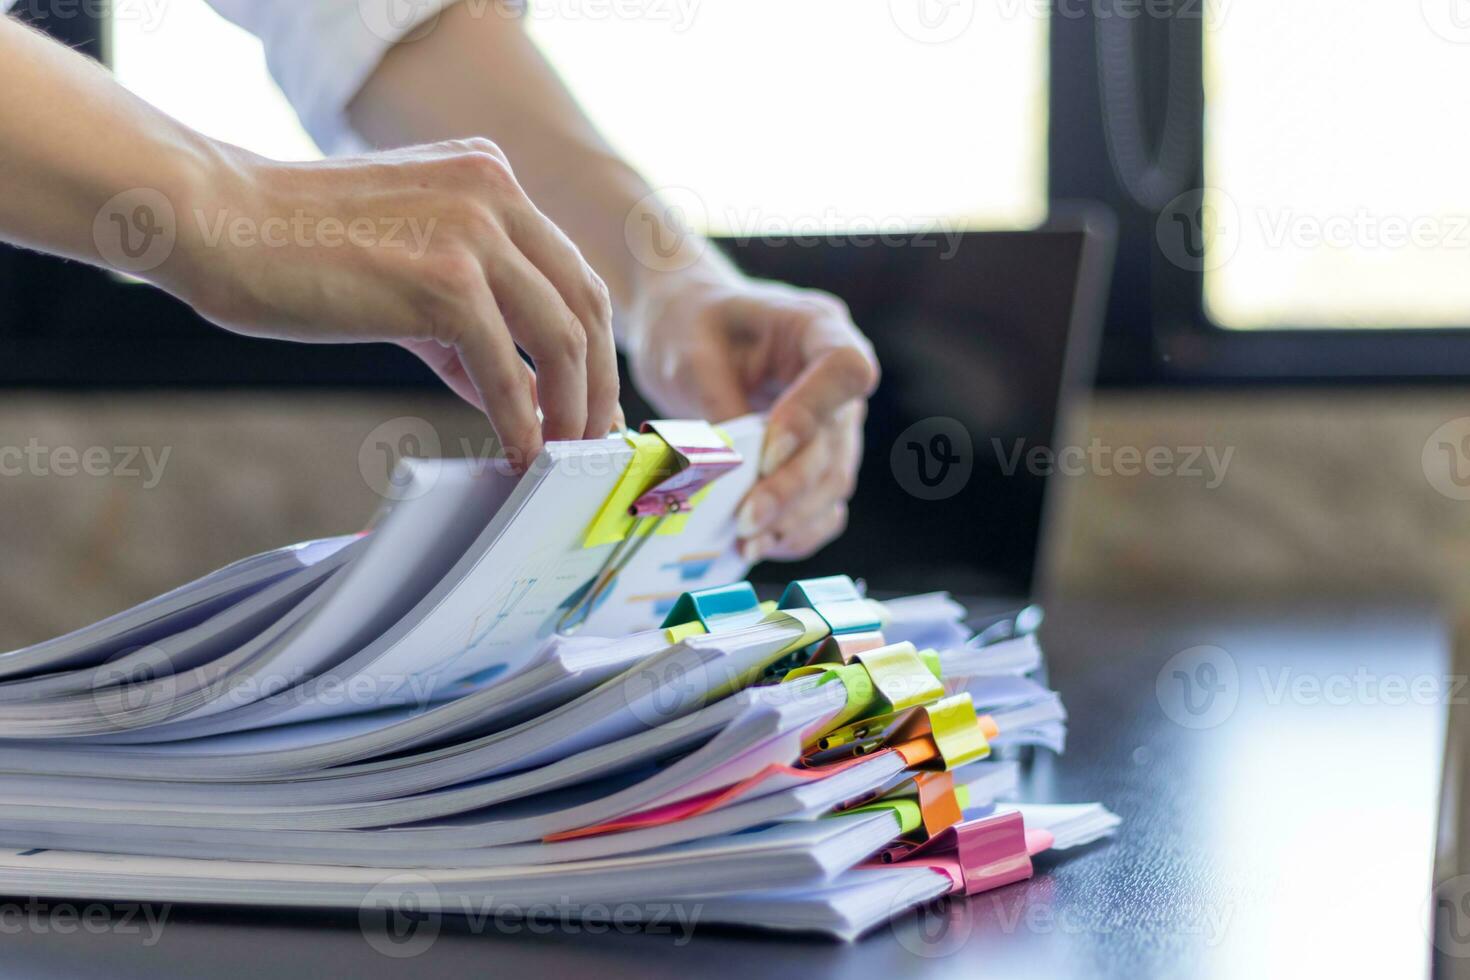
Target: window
(1317, 148)
(207, 73)
(1335, 145)
(859, 114)
(819, 115)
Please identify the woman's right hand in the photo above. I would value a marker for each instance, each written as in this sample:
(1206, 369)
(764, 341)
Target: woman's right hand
(435, 248)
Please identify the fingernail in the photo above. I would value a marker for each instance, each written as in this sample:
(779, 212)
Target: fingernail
(750, 551)
(752, 516)
(779, 449)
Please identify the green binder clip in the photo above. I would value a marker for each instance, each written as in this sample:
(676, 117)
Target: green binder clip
(882, 685)
(854, 622)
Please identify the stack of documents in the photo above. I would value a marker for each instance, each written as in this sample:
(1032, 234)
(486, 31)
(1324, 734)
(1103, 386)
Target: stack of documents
(542, 690)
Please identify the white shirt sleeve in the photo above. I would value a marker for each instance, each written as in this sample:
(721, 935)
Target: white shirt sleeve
(321, 52)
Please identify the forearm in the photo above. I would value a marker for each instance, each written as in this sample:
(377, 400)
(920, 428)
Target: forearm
(435, 247)
(482, 76)
(76, 141)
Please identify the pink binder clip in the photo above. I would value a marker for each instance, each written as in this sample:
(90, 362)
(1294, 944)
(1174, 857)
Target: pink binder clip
(701, 457)
(978, 855)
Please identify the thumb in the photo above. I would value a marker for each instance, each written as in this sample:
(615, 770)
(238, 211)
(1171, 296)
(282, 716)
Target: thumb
(834, 377)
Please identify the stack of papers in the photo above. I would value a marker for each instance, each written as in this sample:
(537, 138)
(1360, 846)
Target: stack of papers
(550, 690)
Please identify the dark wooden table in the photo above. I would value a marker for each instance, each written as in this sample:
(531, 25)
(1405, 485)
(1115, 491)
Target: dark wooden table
(1278, 772)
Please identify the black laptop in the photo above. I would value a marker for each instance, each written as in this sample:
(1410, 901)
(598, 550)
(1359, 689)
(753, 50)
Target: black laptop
(984, 339)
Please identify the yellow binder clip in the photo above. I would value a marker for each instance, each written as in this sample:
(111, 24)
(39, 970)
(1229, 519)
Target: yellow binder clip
(672, 462)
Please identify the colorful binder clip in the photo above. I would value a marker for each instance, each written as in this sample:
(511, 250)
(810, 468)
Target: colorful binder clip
(882, 686)
(686, 457)
(837, 599)
(944, 735)
(853, 621)
(926, 805)
(716, 609)
(977, 855)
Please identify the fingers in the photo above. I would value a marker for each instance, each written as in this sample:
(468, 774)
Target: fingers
(556, 308)
(586, 295)
(840, 369)
(806, 535)
(774, 496)
(444, 361)
(549, 332)
(802, 506)
(505, 386)
(805, 539)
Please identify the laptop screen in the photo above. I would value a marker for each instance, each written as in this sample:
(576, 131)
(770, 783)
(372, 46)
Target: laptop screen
(980, 337)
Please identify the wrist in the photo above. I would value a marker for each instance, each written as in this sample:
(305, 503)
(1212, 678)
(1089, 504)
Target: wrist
(207, 187)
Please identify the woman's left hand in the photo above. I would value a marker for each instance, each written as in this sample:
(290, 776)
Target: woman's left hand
(719, 346)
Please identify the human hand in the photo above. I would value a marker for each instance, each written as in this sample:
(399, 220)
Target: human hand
(720, 346)
(435, 248)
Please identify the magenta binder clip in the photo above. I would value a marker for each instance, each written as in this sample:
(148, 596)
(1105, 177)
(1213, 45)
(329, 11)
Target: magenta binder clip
(977, 855)
(701, 458)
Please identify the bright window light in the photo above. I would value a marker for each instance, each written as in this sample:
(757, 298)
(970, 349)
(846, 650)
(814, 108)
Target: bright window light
(781, 115)
(821, 114)
(209, 74)
(1336, 142)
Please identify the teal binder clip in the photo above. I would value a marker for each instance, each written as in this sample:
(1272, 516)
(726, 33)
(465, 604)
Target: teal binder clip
(718, 610)
(852, 620)
(837, 600)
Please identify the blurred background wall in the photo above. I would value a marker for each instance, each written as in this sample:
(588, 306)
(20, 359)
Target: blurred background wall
(1325, 493)
(192, 482)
